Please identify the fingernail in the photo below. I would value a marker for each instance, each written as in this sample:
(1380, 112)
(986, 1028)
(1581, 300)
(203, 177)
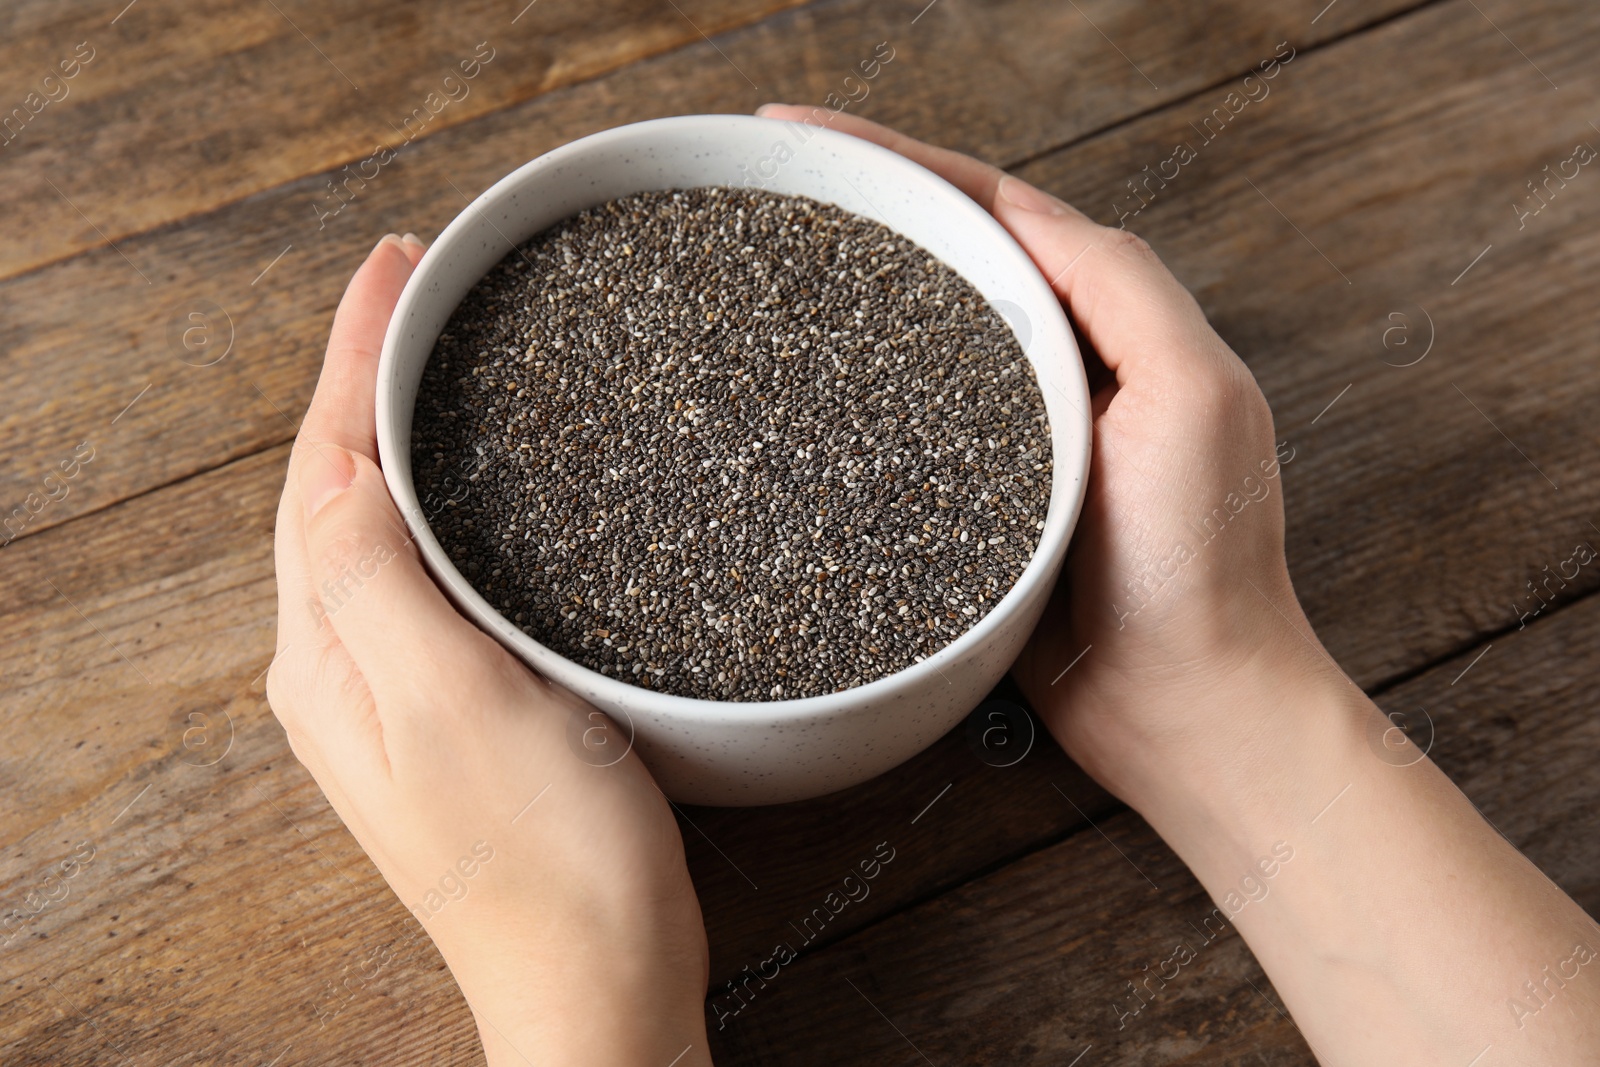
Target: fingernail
(388, 238)
(1025, 196)
(413, 239)
(325, 472)
(764, 108)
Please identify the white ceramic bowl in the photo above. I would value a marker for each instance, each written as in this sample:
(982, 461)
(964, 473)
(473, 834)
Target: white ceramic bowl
(739, 753)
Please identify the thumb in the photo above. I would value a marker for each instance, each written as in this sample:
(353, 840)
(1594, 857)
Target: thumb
(395, 623)
(1139, 317)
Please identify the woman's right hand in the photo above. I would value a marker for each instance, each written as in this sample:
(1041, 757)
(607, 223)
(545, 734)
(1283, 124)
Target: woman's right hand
(1176, 579)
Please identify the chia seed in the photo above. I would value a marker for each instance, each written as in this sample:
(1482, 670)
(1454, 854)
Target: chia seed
(733, 445)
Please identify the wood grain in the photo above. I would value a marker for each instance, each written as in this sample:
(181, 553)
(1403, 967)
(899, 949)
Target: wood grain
(267, 272)
(1031, 963)
(206, 102)
(224, 900)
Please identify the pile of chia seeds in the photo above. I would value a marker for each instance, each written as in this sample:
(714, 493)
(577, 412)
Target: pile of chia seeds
(732, 445)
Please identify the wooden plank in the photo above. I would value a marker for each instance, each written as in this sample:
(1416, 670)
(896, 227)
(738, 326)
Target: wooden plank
(265, 274)
(207, 102)
(1031, 963)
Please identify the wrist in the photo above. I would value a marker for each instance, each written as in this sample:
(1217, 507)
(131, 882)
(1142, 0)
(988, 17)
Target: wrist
(1258, 751)
(1296, 741)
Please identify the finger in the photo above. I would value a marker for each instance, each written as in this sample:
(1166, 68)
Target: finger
(329, 717)
(371, 586)
(340, 417)
(341, 411)
(1131, 308)
(1135, 313)
(309, 658)
(314, 687)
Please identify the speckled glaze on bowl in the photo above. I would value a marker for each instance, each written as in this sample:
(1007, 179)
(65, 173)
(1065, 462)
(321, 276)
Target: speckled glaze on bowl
(743, 753)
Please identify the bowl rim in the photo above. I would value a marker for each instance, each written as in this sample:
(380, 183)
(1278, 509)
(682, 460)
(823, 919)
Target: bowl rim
(1066, 477)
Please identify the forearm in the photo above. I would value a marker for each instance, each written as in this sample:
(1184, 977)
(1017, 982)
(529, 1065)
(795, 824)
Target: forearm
(1401, 927)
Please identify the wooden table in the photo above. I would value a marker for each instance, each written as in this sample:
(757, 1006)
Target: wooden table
(1363, 234)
